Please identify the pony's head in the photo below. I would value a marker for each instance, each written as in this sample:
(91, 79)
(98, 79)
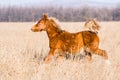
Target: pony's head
(44, 23)
(92, 24)
(41, 24)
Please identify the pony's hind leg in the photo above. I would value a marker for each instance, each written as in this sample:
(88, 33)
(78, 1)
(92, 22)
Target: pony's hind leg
(101, 52)
(88, 55)
(93, 48)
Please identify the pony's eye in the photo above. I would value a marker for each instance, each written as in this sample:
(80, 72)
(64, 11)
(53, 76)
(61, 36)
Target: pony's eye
(36, 26)
(39, 23)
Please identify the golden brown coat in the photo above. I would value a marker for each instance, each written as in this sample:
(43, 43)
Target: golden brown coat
(62, 42)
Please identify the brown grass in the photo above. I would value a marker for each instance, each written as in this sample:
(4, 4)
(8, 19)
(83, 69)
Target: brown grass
(22, 52)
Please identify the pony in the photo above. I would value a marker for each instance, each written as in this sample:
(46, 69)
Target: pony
(62, 42)
(92, 25)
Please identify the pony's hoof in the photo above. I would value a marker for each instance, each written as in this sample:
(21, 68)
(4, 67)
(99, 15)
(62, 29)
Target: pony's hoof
(89, 58)
(47, 60)
(60, 58)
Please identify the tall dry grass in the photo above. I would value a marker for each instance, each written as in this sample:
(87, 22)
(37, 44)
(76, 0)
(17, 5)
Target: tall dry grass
(22, 53)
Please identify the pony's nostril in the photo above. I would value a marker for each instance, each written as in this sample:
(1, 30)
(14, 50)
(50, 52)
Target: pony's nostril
(31, 29)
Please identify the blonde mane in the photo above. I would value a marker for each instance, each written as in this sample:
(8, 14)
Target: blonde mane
(54, 22)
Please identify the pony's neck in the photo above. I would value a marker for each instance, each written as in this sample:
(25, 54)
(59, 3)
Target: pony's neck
(53, 31)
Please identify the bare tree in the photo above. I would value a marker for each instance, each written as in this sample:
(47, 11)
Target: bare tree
(22, 14)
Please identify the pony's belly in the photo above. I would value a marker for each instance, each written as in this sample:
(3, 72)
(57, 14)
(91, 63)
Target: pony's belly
(72, 49)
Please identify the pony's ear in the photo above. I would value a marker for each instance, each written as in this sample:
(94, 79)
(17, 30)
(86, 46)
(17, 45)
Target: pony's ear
(95, 19)
(45, 16)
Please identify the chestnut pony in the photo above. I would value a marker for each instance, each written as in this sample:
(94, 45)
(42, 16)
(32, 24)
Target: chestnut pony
(62, 42)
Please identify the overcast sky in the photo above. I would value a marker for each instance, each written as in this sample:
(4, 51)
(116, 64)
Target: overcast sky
(58, 2)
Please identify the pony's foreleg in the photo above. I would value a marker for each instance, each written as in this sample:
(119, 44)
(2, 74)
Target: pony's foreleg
(60, 58)
(50, 55)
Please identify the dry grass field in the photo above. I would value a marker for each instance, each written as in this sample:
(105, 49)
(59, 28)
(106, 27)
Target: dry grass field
(22, 52)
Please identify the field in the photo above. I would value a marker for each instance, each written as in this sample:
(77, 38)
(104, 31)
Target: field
(22, 52)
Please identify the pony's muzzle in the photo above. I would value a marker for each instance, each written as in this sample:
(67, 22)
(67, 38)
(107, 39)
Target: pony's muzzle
(31, 29)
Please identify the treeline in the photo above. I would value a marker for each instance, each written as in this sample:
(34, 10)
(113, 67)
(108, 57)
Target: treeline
(27, 14)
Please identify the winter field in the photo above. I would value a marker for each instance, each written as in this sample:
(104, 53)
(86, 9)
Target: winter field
(22, 52)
